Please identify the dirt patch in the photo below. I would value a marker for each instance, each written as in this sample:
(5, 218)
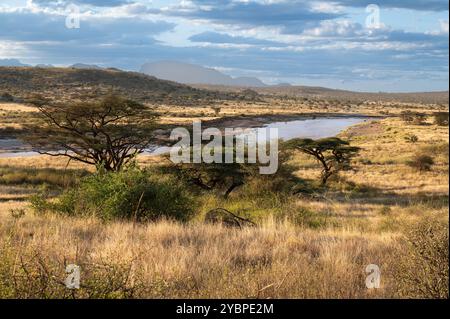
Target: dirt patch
(371, 128)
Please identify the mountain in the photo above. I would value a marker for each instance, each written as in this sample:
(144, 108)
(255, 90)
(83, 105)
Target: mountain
(248, 81)
(11, 62)
(86, 66)
(195, 74)
(71, 83)
(282, 84)
(44, 66)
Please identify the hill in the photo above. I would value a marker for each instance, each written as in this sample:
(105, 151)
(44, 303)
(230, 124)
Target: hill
(11, 62)
(85, 66)
(291, 91)
(196, 74)
(73, 83)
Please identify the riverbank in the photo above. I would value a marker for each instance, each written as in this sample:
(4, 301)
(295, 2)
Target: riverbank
(289, 126)
(254, 121)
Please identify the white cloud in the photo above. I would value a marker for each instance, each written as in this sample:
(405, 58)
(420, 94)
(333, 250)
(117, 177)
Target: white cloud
(444, 26)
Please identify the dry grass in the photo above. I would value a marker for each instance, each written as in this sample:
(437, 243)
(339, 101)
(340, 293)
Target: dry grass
(201, 261)
(362, 219)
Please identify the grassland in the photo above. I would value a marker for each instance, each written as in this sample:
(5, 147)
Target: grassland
(314, 245)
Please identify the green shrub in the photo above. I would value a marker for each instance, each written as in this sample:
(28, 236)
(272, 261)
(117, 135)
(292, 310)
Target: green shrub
(421, 162)
(128, 194)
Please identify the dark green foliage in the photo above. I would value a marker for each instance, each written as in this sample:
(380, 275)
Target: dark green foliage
(129, 194)
(227, 177)
(332, 153)
(210, 176)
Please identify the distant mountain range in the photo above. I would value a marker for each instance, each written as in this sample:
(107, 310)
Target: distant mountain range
(202, 83)
(169, 70)
(85, 66)
(196, 74)
(16, 62)
(11, 62)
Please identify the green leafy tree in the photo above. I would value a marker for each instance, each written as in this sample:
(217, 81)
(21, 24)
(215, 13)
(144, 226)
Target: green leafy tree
(210, 176)
(333, 153)
(107, 133)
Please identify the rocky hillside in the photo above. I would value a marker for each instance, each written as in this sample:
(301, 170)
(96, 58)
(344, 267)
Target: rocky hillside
(73, 83)
(292, 91)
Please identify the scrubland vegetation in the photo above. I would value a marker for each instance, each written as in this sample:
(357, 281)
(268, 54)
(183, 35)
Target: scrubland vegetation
(151, 230)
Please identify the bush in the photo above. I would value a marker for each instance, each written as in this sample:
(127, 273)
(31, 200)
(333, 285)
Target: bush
(128, 194)
(421, 162)
(423, 271)
(412, 138)
(441, 118)
(413, 117)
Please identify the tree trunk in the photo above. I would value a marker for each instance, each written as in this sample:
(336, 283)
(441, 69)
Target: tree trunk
(326, 174)
(231, 188)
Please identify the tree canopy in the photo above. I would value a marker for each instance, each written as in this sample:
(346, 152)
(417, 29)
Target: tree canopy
(209, 176)
(107, 132)
(332, 153)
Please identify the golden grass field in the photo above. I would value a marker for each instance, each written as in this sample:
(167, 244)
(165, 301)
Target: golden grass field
(374, 214)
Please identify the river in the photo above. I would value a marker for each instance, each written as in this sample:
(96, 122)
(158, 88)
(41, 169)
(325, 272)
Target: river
(303, 128)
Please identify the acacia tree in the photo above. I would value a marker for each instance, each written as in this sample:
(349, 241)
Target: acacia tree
(108, 132)
(210, 176)
(332, 153)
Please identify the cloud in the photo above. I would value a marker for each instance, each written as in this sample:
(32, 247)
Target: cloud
(444, 26)
(296, 41)
(95, 3)
(420, 5)
(93, 29)
(289, 16)
(222, 38)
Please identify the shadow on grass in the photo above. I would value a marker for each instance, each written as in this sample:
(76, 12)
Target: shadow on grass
(349, 192)
(39, 176)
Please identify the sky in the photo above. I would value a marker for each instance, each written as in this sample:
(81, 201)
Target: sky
(360, 45)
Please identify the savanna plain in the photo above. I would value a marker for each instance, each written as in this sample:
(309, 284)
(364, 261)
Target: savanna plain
(298, 238)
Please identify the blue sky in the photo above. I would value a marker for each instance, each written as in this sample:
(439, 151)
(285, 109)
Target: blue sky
(320, 43)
